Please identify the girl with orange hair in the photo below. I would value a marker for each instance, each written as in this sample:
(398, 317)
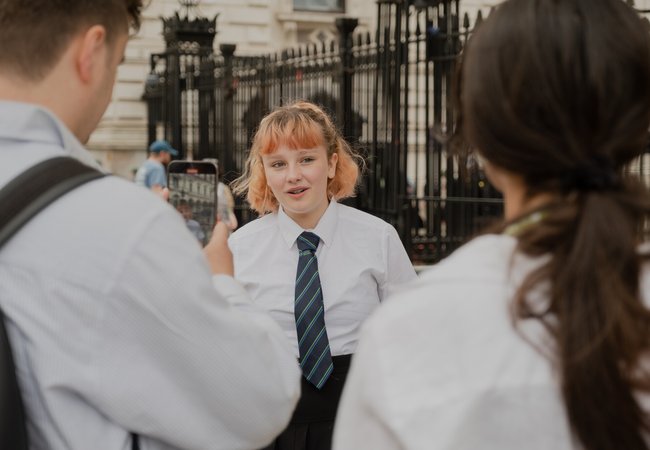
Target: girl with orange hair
(320, 268)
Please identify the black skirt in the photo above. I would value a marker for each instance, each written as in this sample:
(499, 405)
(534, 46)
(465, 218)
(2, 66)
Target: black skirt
(312, 424)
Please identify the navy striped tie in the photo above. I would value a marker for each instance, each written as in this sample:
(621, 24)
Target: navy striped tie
(315, 356)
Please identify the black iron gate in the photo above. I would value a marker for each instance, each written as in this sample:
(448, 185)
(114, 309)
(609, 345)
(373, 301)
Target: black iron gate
(389, 92)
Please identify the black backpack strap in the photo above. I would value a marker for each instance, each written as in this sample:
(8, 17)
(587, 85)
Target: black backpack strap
(31, 191)
(135, 442)
(20, 200)
(13, 433)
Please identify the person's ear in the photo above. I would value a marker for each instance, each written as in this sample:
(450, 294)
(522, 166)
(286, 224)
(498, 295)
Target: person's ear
(331, 170)
(92, 53)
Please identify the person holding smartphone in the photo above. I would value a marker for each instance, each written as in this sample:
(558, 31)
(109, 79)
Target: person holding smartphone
(118, 323)
(319, 267)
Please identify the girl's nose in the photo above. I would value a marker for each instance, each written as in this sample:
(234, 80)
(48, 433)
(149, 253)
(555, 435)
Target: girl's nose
(294, 173)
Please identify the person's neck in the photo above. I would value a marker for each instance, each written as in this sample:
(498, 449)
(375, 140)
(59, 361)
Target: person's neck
(16, 90)
(308, 221)
(39, 93)
(517, 202)
(517, 197)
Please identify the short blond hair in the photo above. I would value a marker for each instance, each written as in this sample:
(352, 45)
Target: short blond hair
(299, 125)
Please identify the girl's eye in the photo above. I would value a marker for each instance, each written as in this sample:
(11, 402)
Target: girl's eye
(307, 159)
(277, 164)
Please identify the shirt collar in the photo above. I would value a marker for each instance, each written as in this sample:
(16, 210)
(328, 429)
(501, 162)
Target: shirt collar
(32, 123)
(325, 228)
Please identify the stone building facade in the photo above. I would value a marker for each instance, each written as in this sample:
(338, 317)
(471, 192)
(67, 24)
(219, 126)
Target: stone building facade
(255, 26)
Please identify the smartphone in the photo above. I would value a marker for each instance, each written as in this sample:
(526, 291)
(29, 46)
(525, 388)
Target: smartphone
(193, 192)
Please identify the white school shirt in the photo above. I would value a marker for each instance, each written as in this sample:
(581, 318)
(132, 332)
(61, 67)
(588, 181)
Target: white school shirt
(115, 323)
(442, 367)
(360, 257)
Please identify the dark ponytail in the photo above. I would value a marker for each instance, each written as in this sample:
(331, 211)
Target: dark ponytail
(558, 92)
(595, 312)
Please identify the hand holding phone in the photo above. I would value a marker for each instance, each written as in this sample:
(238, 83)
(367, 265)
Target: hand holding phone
(218, 253)
(161, 192)
(193, 192)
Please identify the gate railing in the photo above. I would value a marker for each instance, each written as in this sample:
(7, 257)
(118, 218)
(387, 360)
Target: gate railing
(389, 92)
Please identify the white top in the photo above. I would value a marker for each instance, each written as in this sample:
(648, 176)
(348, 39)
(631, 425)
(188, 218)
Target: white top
(442, 366)
(360, 257)
(116, 325)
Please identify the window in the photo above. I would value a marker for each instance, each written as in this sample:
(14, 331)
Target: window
(319, 5)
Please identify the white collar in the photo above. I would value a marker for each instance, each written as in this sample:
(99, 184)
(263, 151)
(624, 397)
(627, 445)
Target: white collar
(33, 123)
(325, 228)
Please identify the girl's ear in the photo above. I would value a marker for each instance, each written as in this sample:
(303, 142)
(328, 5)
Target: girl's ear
(332, 165)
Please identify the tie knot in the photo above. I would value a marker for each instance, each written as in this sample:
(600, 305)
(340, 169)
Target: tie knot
(307, 241)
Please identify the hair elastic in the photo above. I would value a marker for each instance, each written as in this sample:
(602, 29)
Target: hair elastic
(598, 174)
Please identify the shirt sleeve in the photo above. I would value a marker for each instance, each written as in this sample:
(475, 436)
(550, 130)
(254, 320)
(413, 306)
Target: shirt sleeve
(359, 422)
(157, 176)
(399, 268)
(186, 367)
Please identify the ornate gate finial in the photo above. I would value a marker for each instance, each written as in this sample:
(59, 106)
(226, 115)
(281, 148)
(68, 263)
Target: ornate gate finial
(189, 5)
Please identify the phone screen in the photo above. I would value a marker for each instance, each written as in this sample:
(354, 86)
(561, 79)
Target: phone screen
(193, 192)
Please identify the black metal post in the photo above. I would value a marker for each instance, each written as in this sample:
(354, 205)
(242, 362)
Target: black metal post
(173, 87)
(206, 110)
(153, 97)
(344, 113)
(227, 148)
(396, 147)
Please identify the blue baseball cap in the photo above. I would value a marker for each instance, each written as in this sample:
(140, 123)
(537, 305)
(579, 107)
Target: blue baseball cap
(162, 146)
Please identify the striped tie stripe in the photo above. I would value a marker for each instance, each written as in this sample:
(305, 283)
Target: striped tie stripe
(311, 260)
(313, 343)
(306, 240)
(302, 315)
(320, 358)
(309, 327)
(309, 283)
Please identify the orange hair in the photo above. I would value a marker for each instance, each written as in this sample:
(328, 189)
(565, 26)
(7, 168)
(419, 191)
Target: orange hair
(299, 125)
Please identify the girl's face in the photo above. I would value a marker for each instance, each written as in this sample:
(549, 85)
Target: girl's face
(298, 179)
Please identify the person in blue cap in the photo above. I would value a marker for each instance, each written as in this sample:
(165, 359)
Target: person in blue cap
(151, 173)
